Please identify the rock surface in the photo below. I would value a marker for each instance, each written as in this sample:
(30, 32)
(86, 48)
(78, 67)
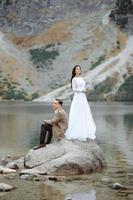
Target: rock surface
(122, 14)
(16, 164)
(117, 186)
(29, 17)
(5, 170)
(5, 187)
(65, 158)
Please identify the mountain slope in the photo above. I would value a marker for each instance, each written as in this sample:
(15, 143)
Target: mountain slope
(118, 68)
(44, 61)
(41, 41)
(16, 72)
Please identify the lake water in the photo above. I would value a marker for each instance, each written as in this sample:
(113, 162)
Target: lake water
(19, 131)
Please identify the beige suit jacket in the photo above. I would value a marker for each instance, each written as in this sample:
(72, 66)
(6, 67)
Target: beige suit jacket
(59, 124)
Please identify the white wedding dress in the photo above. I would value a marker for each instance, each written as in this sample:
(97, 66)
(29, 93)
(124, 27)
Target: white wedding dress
(81, 125)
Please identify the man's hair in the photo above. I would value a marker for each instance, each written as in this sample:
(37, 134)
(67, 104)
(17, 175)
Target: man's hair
(60, 101)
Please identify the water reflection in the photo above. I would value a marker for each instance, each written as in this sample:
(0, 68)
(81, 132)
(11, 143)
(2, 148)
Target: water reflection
(19, 131)
(91, 195)
(45, 191)
(20, 125)
(114, 130)
(128, 122)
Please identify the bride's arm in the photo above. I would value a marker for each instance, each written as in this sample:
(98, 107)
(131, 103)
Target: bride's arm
(74, 86)
(85, 88)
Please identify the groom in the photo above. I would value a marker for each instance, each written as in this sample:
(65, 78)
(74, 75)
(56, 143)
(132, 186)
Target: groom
(55, 127)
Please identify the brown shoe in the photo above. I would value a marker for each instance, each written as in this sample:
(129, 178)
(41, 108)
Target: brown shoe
(39, 146)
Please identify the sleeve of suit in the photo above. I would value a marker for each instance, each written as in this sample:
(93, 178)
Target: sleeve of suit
(55, 119)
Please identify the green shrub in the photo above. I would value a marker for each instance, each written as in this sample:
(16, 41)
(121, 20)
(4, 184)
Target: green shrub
(125, 91)
(9, 91)
(35, 95)
(44, 56)
(14, 94)
(118, 44)
(102, 88)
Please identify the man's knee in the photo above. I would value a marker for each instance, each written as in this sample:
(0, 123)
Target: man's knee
(46, 125)
(43, 125)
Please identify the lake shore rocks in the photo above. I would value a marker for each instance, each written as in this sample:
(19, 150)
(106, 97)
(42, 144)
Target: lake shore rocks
(6, 170)
(5, 187)
(65, 158)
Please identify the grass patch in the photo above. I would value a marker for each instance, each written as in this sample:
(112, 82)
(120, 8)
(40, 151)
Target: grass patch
(9, 91)
(102, 88)
(118, 44)
(35, 95)
(44, 56)
(125, 92)
(13, 94)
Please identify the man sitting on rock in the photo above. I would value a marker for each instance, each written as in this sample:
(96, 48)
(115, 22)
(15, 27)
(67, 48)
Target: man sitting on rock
(55, 127)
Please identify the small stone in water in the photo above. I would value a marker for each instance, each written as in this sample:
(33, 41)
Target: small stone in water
(117, 186)
(5, 187)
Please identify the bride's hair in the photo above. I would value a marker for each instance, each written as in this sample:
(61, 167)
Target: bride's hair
(73, 73)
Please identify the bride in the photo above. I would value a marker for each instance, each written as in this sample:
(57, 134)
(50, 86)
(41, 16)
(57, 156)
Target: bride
(81, 125)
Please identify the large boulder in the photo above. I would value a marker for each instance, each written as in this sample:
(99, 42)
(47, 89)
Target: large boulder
(65, 157)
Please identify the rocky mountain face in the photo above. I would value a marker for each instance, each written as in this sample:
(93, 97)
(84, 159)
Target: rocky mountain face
(122, 14)
(41, 41)
(29, 17)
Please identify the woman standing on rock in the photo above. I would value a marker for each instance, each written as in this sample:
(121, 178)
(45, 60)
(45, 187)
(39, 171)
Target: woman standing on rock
(81, 125)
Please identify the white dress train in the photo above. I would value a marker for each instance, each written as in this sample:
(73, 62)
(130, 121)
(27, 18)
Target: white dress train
(81, 125)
